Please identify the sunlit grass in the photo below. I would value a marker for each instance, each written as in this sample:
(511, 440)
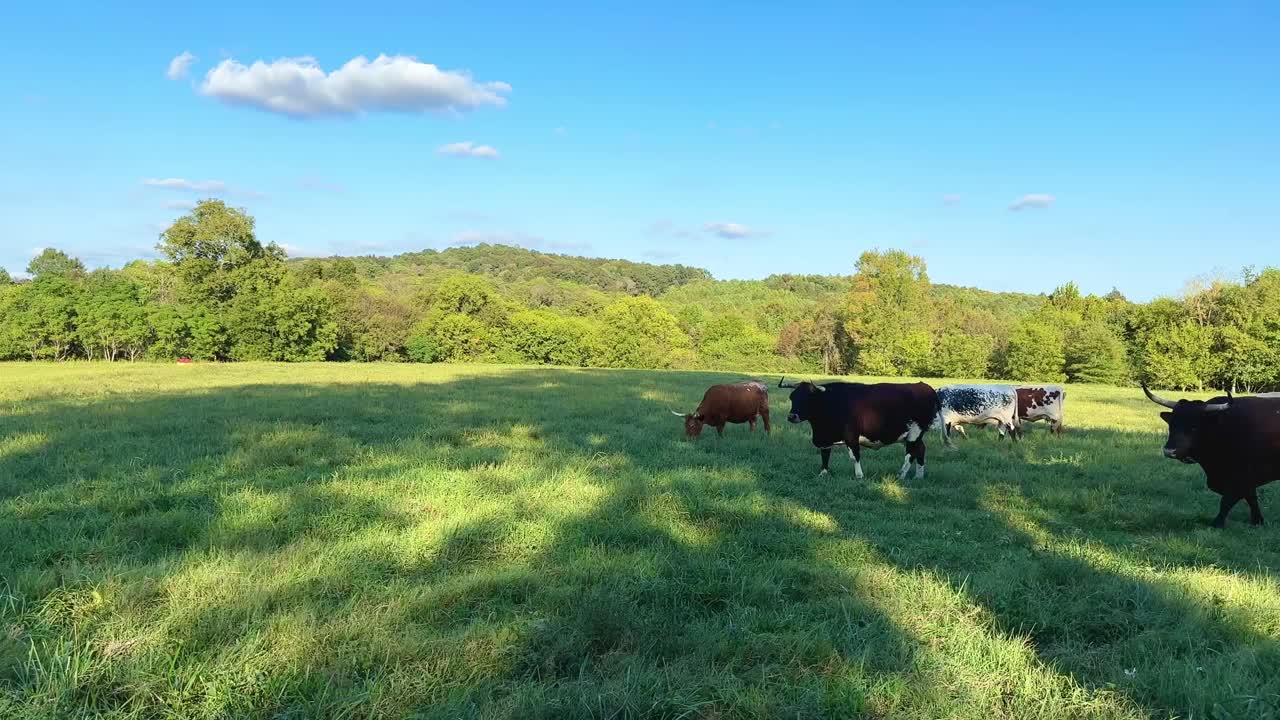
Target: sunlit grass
(392, 541)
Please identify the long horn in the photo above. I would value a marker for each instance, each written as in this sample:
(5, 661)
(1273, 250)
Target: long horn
(782, 384)
(677, 414)
(817, 387)
(1157, 399)
(1219, 407)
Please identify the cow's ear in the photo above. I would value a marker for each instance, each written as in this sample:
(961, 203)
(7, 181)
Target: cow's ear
(1166, 416)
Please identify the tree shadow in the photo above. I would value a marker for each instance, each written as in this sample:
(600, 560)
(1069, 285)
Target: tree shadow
(543, 543)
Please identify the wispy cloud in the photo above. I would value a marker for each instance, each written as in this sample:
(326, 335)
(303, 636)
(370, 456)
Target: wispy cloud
(299, 87)
(1030, 201)
(180, 66)
(313, 182)
(179, 205)
(302, 252)
(951, 199)
(667, 228)
(208, 187)
(468, 149)
(733, 231)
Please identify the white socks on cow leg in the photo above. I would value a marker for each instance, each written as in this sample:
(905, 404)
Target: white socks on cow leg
(906, 465)
(857, 466)
(920, 471)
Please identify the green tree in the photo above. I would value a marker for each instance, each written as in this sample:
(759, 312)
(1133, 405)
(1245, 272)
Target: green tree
(1244, 361)
(5, 278)
(210, 246)
(640, 333)
(543, 337)
(1035, 352)
(51, 263)
(1096, 355)
(1180, 357)
(960, 355)
(887, 314)
(111, 320)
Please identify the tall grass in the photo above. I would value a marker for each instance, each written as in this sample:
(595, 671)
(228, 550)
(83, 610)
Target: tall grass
(422, 541)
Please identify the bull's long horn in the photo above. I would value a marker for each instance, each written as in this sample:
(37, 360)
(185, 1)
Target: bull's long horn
(818, 388)
(1216, 407)
(783, 384)
(677, 414)
(1157, 399)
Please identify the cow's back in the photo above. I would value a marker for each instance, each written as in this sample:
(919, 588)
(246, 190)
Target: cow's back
(882, 412)
(737, 402)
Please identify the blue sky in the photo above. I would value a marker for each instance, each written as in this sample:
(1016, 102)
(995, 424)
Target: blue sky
(747, 138)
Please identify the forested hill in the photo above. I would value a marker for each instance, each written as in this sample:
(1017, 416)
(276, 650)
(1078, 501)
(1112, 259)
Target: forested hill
(222, 294)
(507, 264)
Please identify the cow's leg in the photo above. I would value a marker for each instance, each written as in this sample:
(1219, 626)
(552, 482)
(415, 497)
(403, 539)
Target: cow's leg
(1012, 430)
(752, 423)
(1224, 509)
(764, 415)
(917, 455)
(946, 433)
(720, 429)
(906, 464)
(826, 460)
(1255, 512)
(960, 429)
(855, 456)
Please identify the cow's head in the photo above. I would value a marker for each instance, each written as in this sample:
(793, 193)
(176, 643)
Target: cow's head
(693, 423)
(804, 395)
(1188, 419)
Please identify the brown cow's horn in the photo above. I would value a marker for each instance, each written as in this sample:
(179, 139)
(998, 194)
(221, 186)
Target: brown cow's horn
(678, 414)
(1157, 399)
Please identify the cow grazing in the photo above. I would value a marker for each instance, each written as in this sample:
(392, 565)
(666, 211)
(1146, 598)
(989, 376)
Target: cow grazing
(1236, 441)
(857, 415)
(736, 403)
(977, 405)
(1042, 402)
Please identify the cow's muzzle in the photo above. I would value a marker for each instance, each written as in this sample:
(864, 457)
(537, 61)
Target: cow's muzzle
(793, 418)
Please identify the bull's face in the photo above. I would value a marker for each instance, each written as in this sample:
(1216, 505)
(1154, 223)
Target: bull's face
(693, 425)
(803, 400)
(1187, 419)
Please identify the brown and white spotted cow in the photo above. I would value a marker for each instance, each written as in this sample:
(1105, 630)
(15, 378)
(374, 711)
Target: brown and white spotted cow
(1035, 403)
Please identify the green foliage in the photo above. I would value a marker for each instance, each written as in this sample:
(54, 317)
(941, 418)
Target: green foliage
(5, 278)
(1036, 352)
(1179, 357)
(639, 332)
(222, 294)
(1094, 354)
(51, 263)
(960, 355)
(545, 338)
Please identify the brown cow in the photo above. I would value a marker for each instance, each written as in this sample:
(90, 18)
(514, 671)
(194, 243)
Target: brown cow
(736, 403)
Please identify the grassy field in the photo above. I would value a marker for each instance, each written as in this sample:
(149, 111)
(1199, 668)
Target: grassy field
(329, 541)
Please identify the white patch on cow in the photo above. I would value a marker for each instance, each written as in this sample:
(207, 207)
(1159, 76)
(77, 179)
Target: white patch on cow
(872, 444)
(824, 473)
(912, 434)
(1051, 409)
(906, 465)
(857, 466)
(920, 472)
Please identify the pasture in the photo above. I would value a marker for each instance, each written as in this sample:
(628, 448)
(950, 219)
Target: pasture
(335, 541)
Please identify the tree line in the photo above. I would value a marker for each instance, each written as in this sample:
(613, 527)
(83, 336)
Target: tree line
(218, 293)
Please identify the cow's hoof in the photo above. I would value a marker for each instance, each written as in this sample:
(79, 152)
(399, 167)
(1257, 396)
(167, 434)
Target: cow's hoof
(824, 473)
(1218, 524)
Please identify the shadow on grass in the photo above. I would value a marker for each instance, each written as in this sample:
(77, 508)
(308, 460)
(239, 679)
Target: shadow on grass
(542, 543)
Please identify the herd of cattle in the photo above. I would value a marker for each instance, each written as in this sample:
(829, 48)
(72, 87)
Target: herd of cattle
(1236, 441)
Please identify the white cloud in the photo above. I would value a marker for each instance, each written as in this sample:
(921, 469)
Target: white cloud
(561, 130)
(302, 252)
(468, 149)
(208, 187)
(216, 187)
(299, 87)
(180, 66)
(1031, 200)
(950, 199)
(733, 231)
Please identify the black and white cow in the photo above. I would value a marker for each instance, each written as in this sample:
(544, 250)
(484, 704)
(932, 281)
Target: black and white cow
(858, 415)
(977, 405)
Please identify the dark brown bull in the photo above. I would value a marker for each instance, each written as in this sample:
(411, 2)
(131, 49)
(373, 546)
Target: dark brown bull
(735, 403)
